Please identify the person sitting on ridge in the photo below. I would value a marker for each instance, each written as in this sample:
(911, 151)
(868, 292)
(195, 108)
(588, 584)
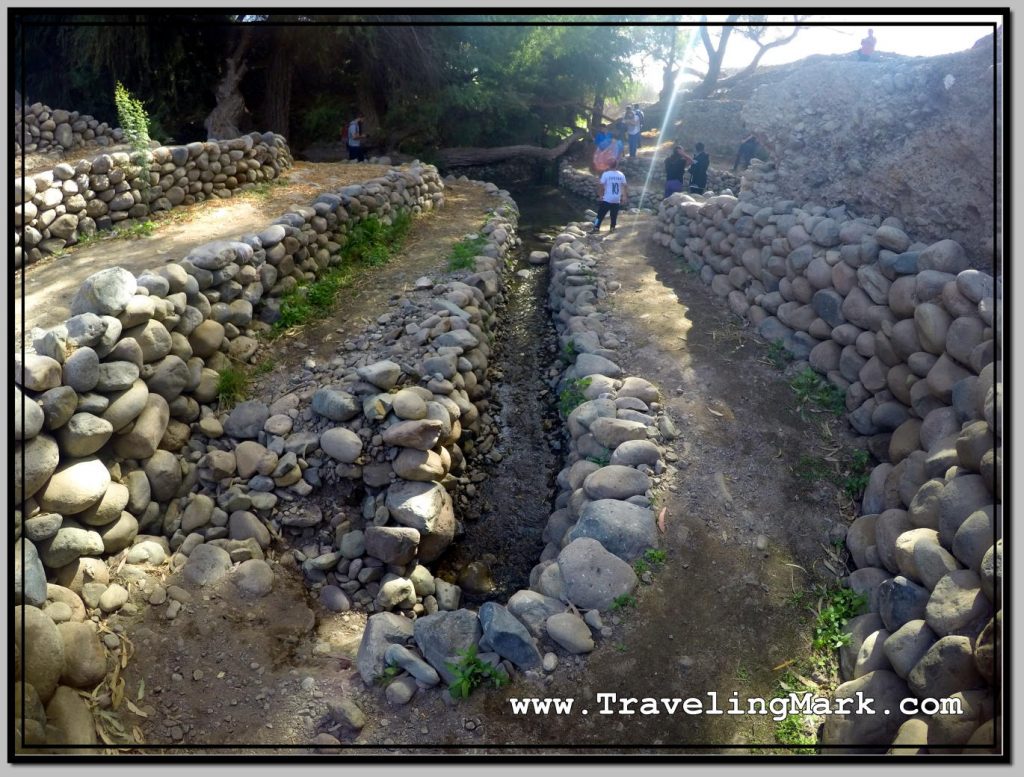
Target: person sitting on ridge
(867, 47)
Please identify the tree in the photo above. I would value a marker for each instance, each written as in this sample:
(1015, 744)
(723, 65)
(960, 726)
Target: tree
(756, 30)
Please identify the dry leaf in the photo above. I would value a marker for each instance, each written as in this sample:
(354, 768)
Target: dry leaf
(136, 710)
(142, 690)
(661, 519)
(715, 413)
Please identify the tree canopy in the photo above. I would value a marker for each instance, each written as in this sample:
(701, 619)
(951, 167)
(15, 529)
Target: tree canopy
(423, 81)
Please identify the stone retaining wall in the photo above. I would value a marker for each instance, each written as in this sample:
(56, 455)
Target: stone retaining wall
(118, 446)
(909, 332)
(53, 209)
(45, 129)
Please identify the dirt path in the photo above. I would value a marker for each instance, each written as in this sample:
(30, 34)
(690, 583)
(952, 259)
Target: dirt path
(49, 285)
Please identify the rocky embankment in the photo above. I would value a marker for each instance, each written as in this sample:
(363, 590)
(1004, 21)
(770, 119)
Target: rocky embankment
(44, 129)
(55, 208)
(912, 335)
(120, 450)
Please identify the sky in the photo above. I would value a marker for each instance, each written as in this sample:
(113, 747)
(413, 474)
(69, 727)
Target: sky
(837, 36)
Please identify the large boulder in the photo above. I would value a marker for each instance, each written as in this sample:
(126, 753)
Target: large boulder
(625, 529)
(593, 577)
(443, 636)
(507, 637)
(105, 293)
(382, 629)
(428, 508)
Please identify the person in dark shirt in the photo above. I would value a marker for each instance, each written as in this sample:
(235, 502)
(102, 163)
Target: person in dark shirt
(699, 170)
(675, 168)
(745, 153)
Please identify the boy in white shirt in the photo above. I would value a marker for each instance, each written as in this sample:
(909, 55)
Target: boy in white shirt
(612, 191)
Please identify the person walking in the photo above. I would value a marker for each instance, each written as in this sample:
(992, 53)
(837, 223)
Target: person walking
(699, 170)
(613, 194)
(638, 112)
(675, 169)
(632, 132)
(354, 138)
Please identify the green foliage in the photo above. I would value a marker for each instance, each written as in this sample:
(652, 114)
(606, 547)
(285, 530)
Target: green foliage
(603, 460)
(232, 385)
(572, 395)
(390, 673)
(136, 229)
(470, 673)
(569, 352)
(463, 255)
(838, 606)
(370, 243)
(811, 389)
(624, 601)
(793, 734)
(778, 356)
(640, 566)
(325, 117)
(655, 558)
(133, 119)
(811, 469)
(857, 474)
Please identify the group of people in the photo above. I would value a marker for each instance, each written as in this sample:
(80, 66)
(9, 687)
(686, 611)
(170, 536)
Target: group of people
(675, 169)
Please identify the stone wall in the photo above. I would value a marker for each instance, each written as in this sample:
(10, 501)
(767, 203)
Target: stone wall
(908, 331)
(119, 448)
(56, 207)
(912, 138)
(45, 129)
(717, 124)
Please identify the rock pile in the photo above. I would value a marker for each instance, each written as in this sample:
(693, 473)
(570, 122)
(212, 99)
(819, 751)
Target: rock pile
(113, 425)
(585, 184)
(53, 209)
(44, 129)
(907, 331)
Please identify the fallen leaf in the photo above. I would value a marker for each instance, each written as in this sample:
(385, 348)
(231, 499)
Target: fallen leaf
(136, 710)
(661, 519)
(715, 413)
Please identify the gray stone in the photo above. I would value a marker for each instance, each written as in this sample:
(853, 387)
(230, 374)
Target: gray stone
(346, 712)
(74, 486)
(426, 507)
(443, 636)
(907, 645)
(42, 527)
(613, 432)
(82, 370)
(592, 364)
(153, 338)
(947, 667)
(164, 473)
(395, 593)
(624, 529)
(114, 598)
(533, 609)
(243, 525)
(37, 373)
(419, 434)
(402, 657)
(946, 256)
(119, 534)
(253, 578)
(392, 544)
(957, 500)
(991, 572)
(353, 544)
(30, 577)
(382, 629)
(335, 405)
(341, 444)
(383, 374)
(125, 406)
(507, 637)
(974, 538)
(594, 577)
(147, 431)
(85, 661)
(83, 435)
(446, 594)
(60, 403)
(616, 482)
(34, 463)
(246, 420)
(861, 732)
(334, 599)
(570, 632)
(957, 605)
(400, 691)
(105, 292)
(206, 565)
(41, 650)
(901, 600)
(634, 452)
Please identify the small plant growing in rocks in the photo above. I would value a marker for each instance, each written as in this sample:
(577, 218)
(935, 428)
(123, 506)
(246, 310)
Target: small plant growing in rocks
(623, 601)
(778, 356)
(464, 252)
(471, 673)
(390, 673)
(232, 385)
(572, 395)
(857, 474)
(810, 389)
(838, 606)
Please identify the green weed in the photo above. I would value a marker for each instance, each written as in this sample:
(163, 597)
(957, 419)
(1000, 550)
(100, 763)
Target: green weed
(471, 673)
(792, 733)
(232, 385)
(778, 356)
(624, 601)
(655, 557)
(390, 673)
(572, 395)
(812, 469)
(463, 255)
(640, 566)
(811, 389)
(839, 605)
(602, 461)
(857, 474)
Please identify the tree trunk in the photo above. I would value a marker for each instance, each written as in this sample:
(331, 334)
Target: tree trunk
(466, 157)
(277, 106)
(227, 114)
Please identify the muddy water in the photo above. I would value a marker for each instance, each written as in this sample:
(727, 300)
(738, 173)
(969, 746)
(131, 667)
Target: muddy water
(508, 510)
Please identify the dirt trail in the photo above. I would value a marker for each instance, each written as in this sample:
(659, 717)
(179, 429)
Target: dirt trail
(49, 285)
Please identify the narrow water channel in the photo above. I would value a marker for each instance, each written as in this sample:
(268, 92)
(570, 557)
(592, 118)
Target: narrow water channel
(508, 509)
